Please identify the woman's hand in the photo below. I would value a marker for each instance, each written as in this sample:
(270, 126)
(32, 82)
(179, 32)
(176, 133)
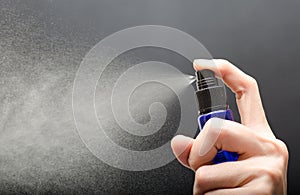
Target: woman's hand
(262, 164)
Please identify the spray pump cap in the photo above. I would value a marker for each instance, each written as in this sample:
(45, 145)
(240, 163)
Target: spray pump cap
(210, 95)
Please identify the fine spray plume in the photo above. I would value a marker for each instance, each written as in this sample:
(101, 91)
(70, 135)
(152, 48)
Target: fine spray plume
(211, 99)
(192, 79)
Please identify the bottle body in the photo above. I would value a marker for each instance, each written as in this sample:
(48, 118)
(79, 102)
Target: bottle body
(222, 155)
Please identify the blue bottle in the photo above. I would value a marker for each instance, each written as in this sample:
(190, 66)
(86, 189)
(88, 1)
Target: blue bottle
(211, 99)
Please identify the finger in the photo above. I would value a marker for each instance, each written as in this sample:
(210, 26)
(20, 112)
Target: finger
(219, 134)
(181, 146)
(245, 87)
(257, 186)
(232, 191)
(223, 175)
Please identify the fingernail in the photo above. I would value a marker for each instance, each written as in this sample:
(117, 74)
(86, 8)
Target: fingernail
(200, 64)
(180, 143)
(182, 138)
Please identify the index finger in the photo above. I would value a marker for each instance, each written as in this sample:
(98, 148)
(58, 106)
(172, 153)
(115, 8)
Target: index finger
(244, 86)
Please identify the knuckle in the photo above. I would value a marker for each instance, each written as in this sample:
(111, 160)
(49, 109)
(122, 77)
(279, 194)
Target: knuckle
(278, 148)
(271, 174)
(271, 147)
(260, 188)
(283, 149)
(201, 176)
(263, 187)
(251, 82)
(274, 176)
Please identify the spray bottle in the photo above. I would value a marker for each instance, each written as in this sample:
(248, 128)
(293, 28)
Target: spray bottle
(211, 99)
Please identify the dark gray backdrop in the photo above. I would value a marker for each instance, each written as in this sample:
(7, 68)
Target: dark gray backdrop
(42, 43)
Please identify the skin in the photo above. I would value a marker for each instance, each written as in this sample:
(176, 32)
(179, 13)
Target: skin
(263, 159)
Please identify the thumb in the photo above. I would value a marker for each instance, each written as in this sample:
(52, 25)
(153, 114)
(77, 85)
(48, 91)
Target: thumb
(181, 146)
(219, 134)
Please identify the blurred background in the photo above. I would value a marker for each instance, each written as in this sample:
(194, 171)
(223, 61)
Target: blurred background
(42, 43)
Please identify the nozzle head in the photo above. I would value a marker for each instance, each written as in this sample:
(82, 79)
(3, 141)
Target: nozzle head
(210, 95)
(205, 78)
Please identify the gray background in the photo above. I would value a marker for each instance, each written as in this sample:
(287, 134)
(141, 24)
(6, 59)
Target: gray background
(42, 43)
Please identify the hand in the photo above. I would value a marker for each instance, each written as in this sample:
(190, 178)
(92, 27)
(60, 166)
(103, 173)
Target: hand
(262, 164)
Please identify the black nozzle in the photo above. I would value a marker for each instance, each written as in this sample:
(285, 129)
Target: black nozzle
(210, 95)
(205, 79)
